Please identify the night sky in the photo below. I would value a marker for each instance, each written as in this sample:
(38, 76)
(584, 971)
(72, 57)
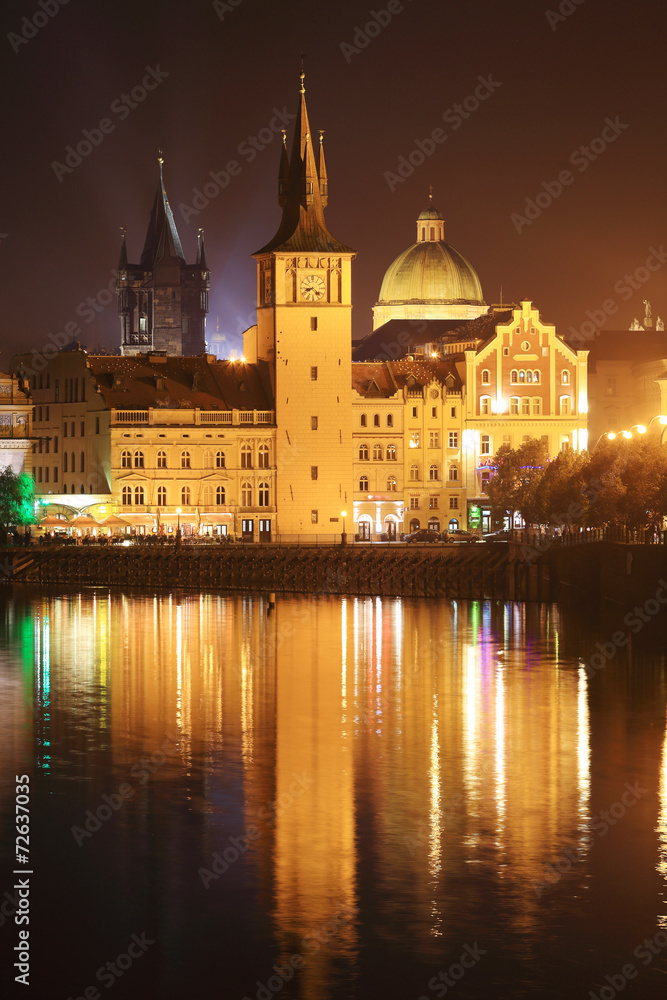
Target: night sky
(220, 73)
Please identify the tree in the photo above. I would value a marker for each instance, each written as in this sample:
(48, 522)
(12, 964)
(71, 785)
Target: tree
(563, 498)
(515, 485)
(16, 498)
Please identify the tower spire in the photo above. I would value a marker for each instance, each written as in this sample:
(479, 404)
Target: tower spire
(162, 239)
(322, 172)
(201, 251)
(122, 260)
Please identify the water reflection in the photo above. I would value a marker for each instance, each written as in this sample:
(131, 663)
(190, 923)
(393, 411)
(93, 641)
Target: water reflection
(403, 775)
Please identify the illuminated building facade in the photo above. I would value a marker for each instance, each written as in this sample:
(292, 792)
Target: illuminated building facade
(15, 424)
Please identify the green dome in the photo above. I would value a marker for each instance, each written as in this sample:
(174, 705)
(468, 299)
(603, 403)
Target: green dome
(431, 272)
(430, 213)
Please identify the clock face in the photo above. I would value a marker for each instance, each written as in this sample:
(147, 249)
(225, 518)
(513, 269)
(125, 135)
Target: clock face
(313, 287)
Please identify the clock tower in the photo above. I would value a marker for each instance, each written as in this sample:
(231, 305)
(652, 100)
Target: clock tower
(304, 313)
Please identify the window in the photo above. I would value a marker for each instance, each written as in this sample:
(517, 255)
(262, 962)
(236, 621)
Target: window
(565, 442)
(522, 376)
(433, 472)
(263, 494)
(486, 377)
(391, 484)
(207, 460)
(363, 452)
(313, 322)
(46, 413)
(313, 423)
(434, 412)
(162, 496)
(414, 411)
(391, 452)
(453, 473)
(262, 457)
(362, 420)
(185, 460)
(55, 475)
(126, 460)
(453, 440)
(536, 376)
(565, 380)
(507, 439)
(57, 390)
(39, 413)
(246, 495)
(72, 429)
(377, 453)
(452, 411)
(313, 472)
(415, 439)
(47, 443)
(363, 484)
(313, 517)
(514, 377)
(506, 352)
(73, 462)
(65, 469)
(565, 405)
(139, 495)
(529, 376)
(313, 373)
(376, 420)
(39, 474)
(434, 439)
(433, 503)
(97, 425)
(514, 406)
(612, 387)
(82, 457)
(126, 495)
(486, 476)
(453, 503)
(390, 420)
(414, 503)
(185, 496)
(55, 445)
(485, 405)
(246, 457)
(138, 459)
(485, 445)
(162, 460)
(414, 473)
(83, 429)
(220, 496)
(525, 406)
(65, 429)
(537, 407)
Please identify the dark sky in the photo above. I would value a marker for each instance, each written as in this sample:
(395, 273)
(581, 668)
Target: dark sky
(225, 71)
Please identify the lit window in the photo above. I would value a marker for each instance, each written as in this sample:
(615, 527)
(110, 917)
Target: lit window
(485, 445)
(453, 473)
(363, 484)
(565, 402)
(185, 459)
(485, 405)
(185, 496)
(453, 439)
(514, 377)
(391, 484)
(363, 452)
(514, 405)
(414, 439)
(391, 452)
(246, 457)
(433, 503)
(433, 473)
(525, 406)
(162, 496)
(263, 494)
(434, 439)
(126, 495)
(220, 496)
(486, 377)
(537, 407)
(377, 452)
(138, 459)
(220, 459)
(262, 457)
(565, 379)
(162, 460)
(453, 503)
(246, 495)
(125, 458)
(414, 473)
(139, 496)
(414, 503)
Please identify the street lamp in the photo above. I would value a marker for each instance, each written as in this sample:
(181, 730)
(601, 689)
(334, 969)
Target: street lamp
(178, 519)
(343, 537)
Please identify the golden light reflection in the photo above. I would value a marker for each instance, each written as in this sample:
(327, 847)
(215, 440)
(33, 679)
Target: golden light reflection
(434, 819)
(662, 832)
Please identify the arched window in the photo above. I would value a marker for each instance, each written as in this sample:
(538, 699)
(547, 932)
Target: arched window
(65, 461)
(220, 459)
(377, 452)
(185, 459)
(453, 524)
(453, 473)
(522, 376)
(246, 456)
(414, 524)
(162, 496)
(529, 376)
(536, 376)
(73, 462)
(433, 472)
(433, 524)
(514, 406)
(139, 496)
(127, 496)
(82, 467)
(414, 473)
(525, 406)
(263, 494)
(537, 406)
(220, 496)
(207, 495)
(246, 495)
(138, 459)
(485, 405)
(432, 232)
(486, 376)
(126, 460)
(207, 460)
(565, 377)
(390, 420)
(162, 460)
(514, 377)
(565, 402)
(391, 452)
(362, 420)
(391, 484)
(376, 420)
(363, 452)
(185, 496)
(363, 484)
(262, 457)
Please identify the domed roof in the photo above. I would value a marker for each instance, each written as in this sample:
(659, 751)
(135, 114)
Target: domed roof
(431, 272)
(431, 212)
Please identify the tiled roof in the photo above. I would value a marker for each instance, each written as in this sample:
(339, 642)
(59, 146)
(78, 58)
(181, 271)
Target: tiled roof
(380, 379)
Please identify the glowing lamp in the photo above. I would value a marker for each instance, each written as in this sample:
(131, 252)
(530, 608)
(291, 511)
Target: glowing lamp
(627, 435)
(663, 420)
(611, 436)
(641, 429)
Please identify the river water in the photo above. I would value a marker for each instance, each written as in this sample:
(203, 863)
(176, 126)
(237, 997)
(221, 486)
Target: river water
(337, 798)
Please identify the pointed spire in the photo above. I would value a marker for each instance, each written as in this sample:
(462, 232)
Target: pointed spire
(162, 239)
(322, 172)
(283, 173)
(201, 251)
(122, 260)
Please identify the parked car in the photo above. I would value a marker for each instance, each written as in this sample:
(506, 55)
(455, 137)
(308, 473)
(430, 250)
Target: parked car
(459, 535)
(498, 536)
(423, 535)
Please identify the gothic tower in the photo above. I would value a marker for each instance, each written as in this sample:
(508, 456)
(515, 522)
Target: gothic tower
(162, 301)
(304, 313)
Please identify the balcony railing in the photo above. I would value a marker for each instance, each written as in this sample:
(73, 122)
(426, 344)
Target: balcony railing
(187, 417)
